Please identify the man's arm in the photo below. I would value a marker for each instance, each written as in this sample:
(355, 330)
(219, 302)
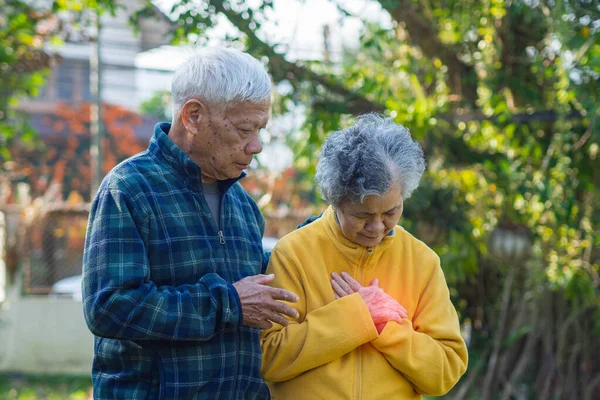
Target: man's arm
(265, 263)
(324, 335)
(309, 220)
(119, 299)
(428, 350)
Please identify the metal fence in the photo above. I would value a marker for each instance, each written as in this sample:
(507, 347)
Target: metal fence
(51, 242)
(52, 247)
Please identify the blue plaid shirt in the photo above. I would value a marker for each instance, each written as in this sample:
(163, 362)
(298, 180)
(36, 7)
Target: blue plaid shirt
(157, 282)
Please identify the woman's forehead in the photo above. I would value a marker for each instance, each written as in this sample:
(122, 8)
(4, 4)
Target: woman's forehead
(376, 204)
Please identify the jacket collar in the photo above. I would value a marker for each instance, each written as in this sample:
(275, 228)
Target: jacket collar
(186, 169)
(352, 251)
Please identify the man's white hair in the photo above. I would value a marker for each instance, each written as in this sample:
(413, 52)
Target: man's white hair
(219, 75)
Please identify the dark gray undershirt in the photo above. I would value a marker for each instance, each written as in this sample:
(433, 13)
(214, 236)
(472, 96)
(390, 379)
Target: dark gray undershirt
(213, 198)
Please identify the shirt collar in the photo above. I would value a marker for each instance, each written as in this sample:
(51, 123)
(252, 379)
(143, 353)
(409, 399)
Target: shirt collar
(352, 251)
(163, 147)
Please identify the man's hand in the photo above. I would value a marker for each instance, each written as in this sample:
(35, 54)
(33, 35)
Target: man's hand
(382, 307)
(260, 303)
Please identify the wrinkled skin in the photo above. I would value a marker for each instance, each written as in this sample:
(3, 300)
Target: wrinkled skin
(382, 307)
(260, 303)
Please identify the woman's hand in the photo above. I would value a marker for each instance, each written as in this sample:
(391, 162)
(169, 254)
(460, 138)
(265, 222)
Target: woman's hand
(382, 307)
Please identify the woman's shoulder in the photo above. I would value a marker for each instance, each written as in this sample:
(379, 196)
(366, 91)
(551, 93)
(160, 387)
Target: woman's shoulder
(305, 236)
(414, 245)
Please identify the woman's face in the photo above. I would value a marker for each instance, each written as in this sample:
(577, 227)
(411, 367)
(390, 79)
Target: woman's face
(367, 223)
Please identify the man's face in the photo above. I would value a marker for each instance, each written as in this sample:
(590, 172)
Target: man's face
(366, 224)
(228, 138)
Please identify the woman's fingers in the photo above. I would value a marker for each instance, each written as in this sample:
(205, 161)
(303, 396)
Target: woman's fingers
(342, 283)
(338, 290)
(382, 306)
(351, 282)
(403, 313)
(399, 319)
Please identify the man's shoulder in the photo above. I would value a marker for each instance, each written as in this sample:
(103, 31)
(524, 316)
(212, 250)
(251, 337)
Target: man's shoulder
(238, 191)
(130, 173)
(246, 205)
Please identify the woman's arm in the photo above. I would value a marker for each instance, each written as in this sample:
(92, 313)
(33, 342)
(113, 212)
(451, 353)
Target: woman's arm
(315, 338)
(428, 349)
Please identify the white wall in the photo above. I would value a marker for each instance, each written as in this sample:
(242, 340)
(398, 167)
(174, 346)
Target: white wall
(155, 70)
(44, 335)
(2, 258)
(149, 82)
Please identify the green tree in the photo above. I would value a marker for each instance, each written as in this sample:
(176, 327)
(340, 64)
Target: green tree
(25, 27)
(158, 106)
(23, 31)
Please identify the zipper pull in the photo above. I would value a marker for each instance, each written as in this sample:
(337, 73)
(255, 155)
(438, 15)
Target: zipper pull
(221, 237)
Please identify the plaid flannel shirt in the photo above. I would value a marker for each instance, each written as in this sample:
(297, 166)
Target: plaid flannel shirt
(157, 282)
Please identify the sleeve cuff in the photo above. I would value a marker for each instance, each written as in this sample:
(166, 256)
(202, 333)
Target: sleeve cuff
(233, 292)
(392, 332)
(363, 311)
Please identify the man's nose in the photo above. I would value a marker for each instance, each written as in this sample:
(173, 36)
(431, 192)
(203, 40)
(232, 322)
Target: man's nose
(254, 146)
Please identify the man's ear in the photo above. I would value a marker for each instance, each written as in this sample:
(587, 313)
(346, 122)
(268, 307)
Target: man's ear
(193, 114)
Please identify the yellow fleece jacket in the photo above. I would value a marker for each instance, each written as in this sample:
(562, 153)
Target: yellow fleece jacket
(333, 351)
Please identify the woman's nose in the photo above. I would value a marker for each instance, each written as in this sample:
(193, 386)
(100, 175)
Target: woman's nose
(375, 225)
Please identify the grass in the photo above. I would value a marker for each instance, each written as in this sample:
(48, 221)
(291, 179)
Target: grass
(50, 387)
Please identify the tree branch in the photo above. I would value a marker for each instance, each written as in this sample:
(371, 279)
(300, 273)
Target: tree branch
(461, 76)
(488, 382)
(281, 69)
(542, 116)
(461, 79)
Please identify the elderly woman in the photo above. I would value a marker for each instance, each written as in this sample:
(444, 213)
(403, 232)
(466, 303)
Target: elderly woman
(375, 317)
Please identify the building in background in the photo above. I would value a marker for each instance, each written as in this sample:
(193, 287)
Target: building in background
(69, 79)
(60, 114)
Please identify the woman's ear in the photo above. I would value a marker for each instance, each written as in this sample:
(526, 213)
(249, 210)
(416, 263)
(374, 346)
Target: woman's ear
(192, 115)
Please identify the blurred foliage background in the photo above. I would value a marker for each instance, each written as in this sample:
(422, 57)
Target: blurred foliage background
(503, 96)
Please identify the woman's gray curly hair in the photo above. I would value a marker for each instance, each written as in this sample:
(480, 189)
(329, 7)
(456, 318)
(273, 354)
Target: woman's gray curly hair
(368, 158)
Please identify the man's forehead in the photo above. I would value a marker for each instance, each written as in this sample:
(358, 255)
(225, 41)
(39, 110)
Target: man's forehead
(249, 111)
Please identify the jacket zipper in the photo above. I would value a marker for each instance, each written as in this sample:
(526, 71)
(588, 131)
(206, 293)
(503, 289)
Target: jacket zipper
(237, 339)
(161, 377)
(359, 353)
(222, 242)
(221, 236)
(220, 227)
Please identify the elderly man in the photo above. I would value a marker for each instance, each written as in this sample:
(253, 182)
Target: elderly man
(172, 284)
